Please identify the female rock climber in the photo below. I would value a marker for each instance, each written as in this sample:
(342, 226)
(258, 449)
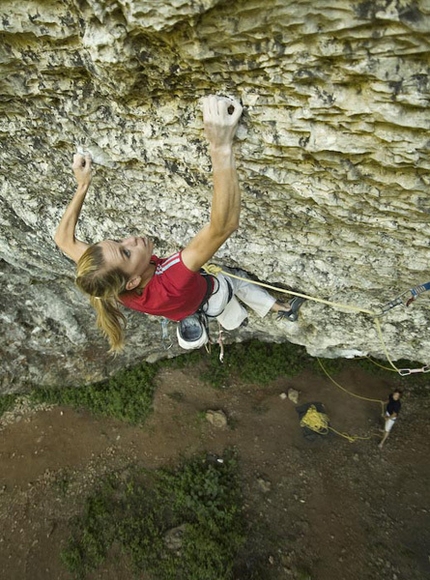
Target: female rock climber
(115, 272)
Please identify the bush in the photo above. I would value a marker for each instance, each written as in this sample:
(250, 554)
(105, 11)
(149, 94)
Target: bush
(256, 362)
(127, 396)
(6, 403)
(202, 497)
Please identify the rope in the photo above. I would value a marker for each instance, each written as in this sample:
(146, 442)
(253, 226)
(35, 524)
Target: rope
(214, 270)
(315, 420)
(346, 390)
(351, 438)
(319, 422)
(378, 365)
(381, 338)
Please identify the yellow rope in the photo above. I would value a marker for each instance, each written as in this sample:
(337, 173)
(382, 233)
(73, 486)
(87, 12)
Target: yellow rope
(381, 338)
(378, 365)
(345, 390)
(315, 420)
(364, 357)
(351, 438)
(213, 269)
(319, 422)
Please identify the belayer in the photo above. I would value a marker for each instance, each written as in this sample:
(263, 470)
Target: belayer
(126, 272)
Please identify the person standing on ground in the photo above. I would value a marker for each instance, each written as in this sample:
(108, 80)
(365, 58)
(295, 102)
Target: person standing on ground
(392, 411)
(126, 272)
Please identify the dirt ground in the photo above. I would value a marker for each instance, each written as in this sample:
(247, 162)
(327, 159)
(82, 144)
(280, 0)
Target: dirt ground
(322, 509)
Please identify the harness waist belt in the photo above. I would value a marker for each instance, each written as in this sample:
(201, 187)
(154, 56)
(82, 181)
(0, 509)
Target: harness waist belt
(210, 284)
(213, 283)
(230, 290)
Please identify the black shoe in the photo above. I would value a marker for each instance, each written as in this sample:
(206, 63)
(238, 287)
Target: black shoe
(293, 314)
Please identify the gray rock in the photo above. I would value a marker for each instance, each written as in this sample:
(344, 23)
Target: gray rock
(293, 395)
(264, 484)
(174, 537)
(333, 157)
(217, 418)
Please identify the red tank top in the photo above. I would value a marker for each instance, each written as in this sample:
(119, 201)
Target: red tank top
(174, 291)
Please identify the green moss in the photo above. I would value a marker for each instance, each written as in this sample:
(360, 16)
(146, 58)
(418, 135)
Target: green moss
(127, 396)
(332, 366)
(6, 403)
(201, 496)
(255, 362)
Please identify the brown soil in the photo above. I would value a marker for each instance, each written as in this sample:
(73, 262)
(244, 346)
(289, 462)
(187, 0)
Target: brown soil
(322, 509)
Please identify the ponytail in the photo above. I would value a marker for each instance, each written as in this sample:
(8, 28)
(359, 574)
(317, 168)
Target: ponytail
(104, 287)
(110, 320)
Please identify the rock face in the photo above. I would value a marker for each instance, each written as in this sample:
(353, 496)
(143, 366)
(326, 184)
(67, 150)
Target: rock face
(333, 156)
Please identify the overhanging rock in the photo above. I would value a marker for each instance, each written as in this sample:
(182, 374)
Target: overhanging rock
(333, 156)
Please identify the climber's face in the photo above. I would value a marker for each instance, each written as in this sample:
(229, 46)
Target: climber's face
(131, 255)
(396, 395)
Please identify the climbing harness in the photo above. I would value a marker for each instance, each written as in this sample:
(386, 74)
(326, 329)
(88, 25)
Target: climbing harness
(214, 270)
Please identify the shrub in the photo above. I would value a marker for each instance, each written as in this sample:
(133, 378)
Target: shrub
(126, 396)
(203, 497)
(6, 403)
(256, 362)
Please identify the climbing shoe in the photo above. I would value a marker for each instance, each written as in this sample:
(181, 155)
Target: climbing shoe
(293, 314)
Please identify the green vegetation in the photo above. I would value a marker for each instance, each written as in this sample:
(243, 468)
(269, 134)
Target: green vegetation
(201, 501)
(253, 362)
(62, 482)
(256, 362)
(6, 403)
(127, 396)
(332, 366)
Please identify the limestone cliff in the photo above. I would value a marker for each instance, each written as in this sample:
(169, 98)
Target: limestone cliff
(333, 156)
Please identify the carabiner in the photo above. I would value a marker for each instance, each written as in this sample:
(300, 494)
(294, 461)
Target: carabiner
(165, 338)
(406, 372)
(389, 305)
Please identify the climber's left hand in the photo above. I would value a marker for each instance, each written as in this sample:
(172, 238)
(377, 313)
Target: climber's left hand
(221, 117)
(82, 169)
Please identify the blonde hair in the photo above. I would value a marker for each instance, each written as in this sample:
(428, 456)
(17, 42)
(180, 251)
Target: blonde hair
(104, 288)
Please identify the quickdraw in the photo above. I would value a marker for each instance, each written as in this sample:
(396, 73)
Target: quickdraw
(406, 372)
(165, 337)
(417, 291)
(399, 300)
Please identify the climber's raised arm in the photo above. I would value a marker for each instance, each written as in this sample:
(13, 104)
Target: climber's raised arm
(221, 117)
(65, 234)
